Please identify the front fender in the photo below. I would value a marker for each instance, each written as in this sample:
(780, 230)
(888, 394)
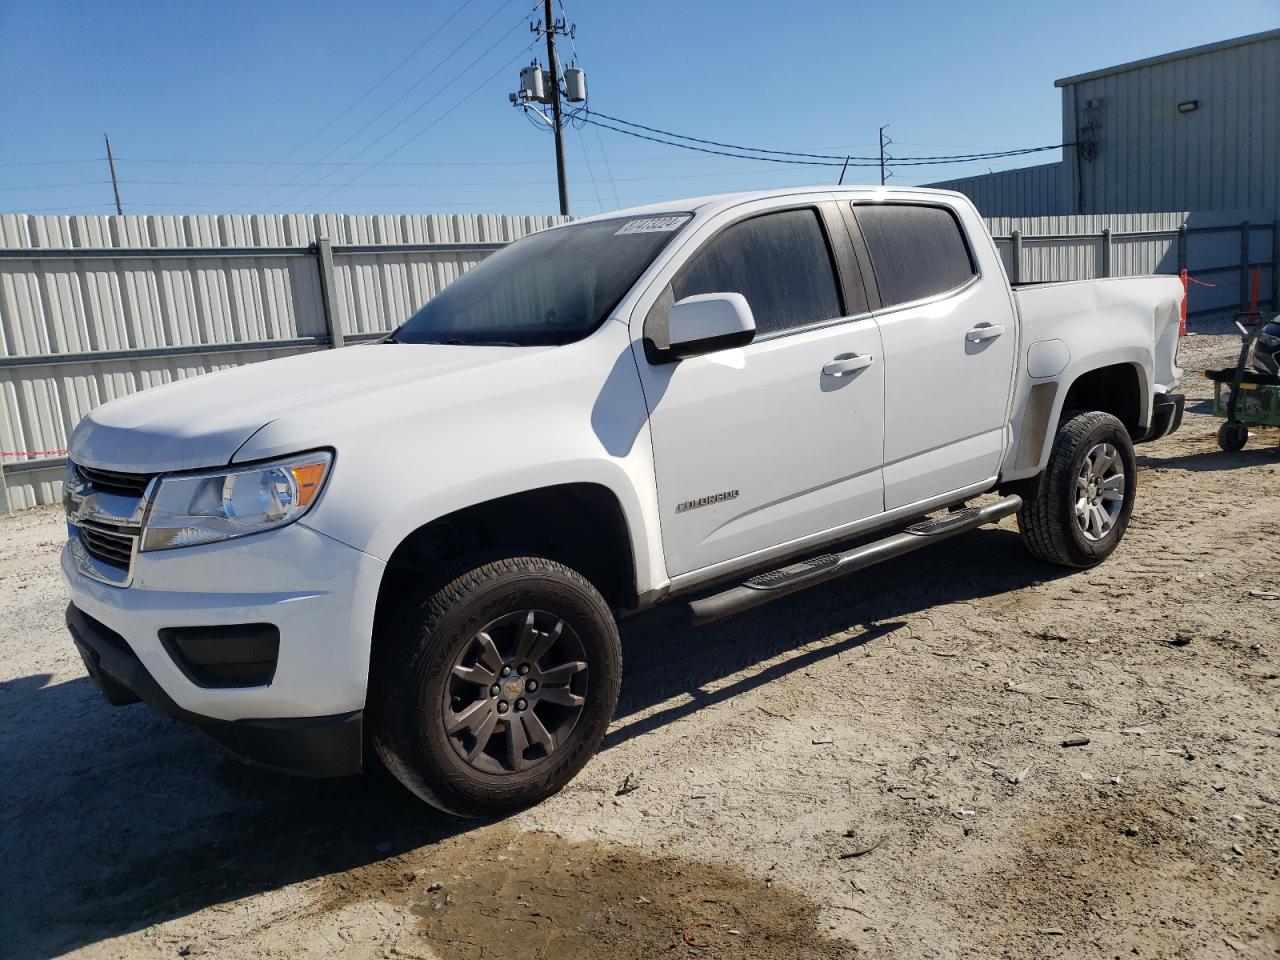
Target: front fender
(572, 414)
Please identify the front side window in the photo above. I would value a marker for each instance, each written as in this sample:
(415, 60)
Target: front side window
(548, 288)
(779, 261)
(916, 251)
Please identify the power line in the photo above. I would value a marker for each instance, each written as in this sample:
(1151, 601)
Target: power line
(607, 169)
(582, 142)
(480, 86)
(369, 163)
(434, 183)
(727, 146)
(52, 186)
(399, 123)
(364, 96)
(587, 117)
(833, 159)
(392, 105)
(46, 163)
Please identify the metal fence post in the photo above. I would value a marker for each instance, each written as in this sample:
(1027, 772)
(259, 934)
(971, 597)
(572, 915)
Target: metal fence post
(1244, 266)
(1106, 251)
(1182, 248)
(1275, 267)
(4, 492)
(1016, 271)
(328, 300)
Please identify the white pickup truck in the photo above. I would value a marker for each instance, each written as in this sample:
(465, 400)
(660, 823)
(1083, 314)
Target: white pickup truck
(422, 545)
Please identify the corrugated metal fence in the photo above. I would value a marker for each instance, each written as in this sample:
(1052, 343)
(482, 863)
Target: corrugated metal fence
(93, 308)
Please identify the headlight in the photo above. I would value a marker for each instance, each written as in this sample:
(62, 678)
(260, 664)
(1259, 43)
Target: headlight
(219, 505)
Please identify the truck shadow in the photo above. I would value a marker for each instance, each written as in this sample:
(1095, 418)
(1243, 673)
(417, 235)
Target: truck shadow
(1214, 461)
(115, 820)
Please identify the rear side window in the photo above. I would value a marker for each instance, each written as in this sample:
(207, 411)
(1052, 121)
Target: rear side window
(779, 261)
(916, 251)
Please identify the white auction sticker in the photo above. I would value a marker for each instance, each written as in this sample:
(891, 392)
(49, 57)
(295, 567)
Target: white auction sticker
(653, 225)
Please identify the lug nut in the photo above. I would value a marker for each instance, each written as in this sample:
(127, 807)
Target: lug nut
(502, 707)
(505, 671)
(524, 668)
(495, 690)
(531, 686)
(521, 704)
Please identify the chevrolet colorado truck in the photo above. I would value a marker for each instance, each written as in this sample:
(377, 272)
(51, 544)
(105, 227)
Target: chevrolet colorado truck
(420, 547)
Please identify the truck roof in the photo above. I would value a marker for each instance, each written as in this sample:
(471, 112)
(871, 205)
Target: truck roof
(713, 203)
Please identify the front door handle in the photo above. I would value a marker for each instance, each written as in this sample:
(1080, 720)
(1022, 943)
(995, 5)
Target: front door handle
(847, 363)
(984, 331)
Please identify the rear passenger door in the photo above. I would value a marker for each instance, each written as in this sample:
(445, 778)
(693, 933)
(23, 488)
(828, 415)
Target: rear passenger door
(949, 346)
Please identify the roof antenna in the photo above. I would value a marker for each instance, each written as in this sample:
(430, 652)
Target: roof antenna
(840, 182)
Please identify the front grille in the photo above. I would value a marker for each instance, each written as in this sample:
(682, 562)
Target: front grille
(108, 546)
(113, 481)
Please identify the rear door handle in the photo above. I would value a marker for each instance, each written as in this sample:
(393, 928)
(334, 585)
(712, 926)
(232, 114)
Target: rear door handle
(984, 331)
(847, 363)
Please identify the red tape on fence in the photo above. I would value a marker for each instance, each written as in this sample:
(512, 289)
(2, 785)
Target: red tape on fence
(1187, 279)
(33, 453)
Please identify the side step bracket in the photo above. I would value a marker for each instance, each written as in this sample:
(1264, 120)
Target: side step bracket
(773, 584)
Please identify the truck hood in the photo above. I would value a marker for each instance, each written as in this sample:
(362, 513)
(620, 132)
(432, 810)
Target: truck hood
(203, 421)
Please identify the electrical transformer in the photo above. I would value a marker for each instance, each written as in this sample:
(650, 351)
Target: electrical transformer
(532, 84)
(575, 84)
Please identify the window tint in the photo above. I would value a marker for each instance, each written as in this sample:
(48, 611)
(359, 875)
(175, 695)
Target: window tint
(779, 262)
(551, 287)
(916, 251)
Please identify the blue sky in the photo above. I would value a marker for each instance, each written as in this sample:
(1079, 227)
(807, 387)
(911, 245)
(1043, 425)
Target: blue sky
(184, 88)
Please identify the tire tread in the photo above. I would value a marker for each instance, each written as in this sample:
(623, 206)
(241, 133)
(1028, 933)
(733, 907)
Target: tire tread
(1043, 533)
(392, 700)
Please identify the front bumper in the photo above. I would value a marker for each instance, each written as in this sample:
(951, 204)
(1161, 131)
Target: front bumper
(318, 593)
(311, 746)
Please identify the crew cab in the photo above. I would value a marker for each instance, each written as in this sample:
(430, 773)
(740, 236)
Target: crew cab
(421, 546)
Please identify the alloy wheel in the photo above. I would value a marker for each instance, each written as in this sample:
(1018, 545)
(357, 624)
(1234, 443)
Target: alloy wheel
(1100, 487)
(515, 692)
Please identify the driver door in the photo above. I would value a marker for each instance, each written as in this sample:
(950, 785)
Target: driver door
(758, 446)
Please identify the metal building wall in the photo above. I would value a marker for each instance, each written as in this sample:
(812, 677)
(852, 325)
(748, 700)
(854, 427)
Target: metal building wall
(1225, 155)
(78, 331)
(1023, 192)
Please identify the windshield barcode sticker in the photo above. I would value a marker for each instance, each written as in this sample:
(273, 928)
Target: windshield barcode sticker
(652, 225)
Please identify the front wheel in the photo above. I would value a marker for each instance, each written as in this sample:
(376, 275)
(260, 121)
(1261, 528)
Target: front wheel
(498, 689)
(1081, 508)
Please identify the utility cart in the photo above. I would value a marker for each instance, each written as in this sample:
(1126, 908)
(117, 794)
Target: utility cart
(1243, 395)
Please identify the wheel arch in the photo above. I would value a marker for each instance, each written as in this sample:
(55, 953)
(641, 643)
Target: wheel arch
(1118, 386)
(581, 524)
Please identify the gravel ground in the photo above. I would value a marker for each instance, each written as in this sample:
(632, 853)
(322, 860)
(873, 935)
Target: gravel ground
(873, 768)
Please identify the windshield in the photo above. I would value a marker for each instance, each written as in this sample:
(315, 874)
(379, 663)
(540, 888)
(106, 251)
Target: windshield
(548, 288)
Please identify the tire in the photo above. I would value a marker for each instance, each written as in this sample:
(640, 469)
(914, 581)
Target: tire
(1232, 436)
(431, 700)
(1053, 526)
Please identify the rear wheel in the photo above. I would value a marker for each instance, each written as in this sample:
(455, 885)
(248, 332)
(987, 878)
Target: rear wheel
(1081, 508)
(498, 689)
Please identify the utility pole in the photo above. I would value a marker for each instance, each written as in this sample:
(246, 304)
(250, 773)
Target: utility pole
(538, 86)
(556, 124)
(884, 142)
(115, 181)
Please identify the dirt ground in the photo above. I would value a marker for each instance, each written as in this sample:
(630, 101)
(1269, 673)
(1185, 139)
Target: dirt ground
(875, 768)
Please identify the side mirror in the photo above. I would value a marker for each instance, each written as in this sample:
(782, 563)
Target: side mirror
(708, 322)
